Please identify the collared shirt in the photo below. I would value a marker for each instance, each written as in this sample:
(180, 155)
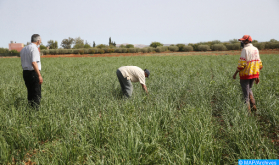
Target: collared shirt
(249, 63)
(133, 73)
(29, 54)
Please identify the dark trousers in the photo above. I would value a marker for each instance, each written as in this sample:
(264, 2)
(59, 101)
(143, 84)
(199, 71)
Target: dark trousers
(31, 79)
(126, 85)
(246, 86)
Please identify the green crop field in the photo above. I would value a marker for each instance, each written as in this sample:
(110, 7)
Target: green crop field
(194, 113)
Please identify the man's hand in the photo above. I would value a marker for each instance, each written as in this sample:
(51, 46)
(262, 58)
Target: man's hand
(36, 68)
(257, 80)
(144, 88)
(234, 76)
(40, 79)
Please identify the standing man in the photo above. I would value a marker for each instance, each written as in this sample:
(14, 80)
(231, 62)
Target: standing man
(31, 65)
(249, 66)
(128, 74)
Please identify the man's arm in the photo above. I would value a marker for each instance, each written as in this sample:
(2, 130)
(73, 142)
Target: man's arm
(144, 88)
(234, 76)
(36, 68)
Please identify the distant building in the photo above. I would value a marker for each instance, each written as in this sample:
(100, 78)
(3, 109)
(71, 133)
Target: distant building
(16, 46)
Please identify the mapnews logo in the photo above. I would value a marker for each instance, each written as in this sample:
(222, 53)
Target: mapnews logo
(258, 162)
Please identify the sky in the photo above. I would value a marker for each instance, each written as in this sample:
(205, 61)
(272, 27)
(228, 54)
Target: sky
(138, 21)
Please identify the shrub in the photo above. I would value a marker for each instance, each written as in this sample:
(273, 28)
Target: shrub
(111, 50)
(188, 48)
(101, 51)
(132, 50)
(260, 46)
(43, 51)
(70, 51)
(57, 51)
(118, 50)
(150, 49)
(272, 45)
(181, 47)
(81, 51)
(47, 52)
(165, 48)
(62, 51)
(75, 51)
(155, 44)
(159, 49)
(52, 51)
(218, 47)
(195, 46)
(124, 50)
(144, 50)
(14, 53)
(96, 50)
(86, 51)
(91, 51)
(203, 48)
(106, 50)
(173, 48)
(235, 46)
(4, 51)
(137, 50)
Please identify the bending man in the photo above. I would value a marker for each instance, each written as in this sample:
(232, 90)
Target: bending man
(128, 74)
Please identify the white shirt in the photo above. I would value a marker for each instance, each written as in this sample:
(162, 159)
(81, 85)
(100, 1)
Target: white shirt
(29, 54)
(250, 53)
(133, 73)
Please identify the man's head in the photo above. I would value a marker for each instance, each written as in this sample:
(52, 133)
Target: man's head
(246, 39)
(36, 39)
(146, 73)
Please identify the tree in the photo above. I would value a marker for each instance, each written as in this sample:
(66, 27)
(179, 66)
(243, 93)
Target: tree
(155, 44)
(233, 41)
(122, 46)
(52, 44)
(67, 43)
(273, 40)
(87, 45)
(111, 43)
(79, 43)
(255, 41)
(215, 42)
(101, 46)
(129, 46)
(181, 47)
(42, 47)
(94, 44)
